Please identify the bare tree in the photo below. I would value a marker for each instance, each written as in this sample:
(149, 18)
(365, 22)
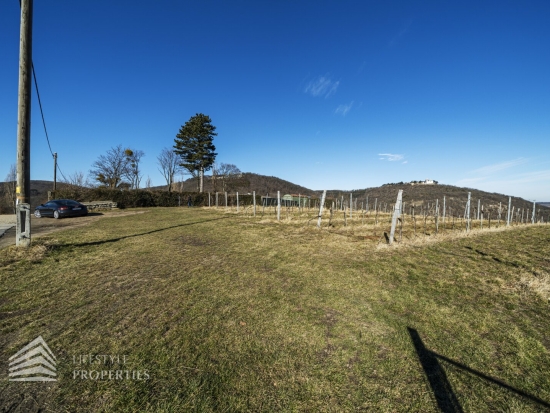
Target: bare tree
(230, 177)
(9, 188)
(77, 179)
(148, 182)
(168, 161)
(214, 177)
(110, 169)
(133, 173)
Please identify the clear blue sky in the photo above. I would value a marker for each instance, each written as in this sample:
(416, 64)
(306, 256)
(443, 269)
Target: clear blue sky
(326, 94)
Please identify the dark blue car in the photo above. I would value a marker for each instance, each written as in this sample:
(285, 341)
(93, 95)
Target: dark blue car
(59, 208)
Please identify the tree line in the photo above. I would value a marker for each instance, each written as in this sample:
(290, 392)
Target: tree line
(193, 153)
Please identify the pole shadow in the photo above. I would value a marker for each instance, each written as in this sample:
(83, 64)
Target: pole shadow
(441, 388)
(106, 241)
(443, 392)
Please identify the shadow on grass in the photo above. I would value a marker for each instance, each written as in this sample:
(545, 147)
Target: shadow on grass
(86, 244)
(441, 388)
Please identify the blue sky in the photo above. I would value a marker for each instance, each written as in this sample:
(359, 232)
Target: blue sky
(326, 94)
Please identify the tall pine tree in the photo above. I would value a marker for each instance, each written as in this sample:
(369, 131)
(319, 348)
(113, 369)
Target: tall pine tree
(194, 146)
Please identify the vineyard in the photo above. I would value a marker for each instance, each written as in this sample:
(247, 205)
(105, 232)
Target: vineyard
(371, 219)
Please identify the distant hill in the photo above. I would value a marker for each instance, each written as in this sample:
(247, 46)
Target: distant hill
(455, 197)
(262, 184)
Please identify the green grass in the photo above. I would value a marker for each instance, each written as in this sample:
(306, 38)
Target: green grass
(230, 313)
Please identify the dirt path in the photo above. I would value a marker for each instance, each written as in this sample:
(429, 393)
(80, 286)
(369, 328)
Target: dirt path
(43, 226)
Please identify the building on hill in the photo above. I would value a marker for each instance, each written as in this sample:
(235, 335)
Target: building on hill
(424, 182)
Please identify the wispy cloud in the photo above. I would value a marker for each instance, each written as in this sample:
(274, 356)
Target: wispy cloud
(401, 33)
(390, 157)
(344, 109)
(491, 169)
(322, 86)
(527, 177)
(404, 162)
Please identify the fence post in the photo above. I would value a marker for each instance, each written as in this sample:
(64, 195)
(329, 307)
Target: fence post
(481, 222)
(444, 208)
(396, 213)
(478, 206)
(351, 205)
(208, 199)
(278, 205)
(509, 209)
(467, 213)
(254, 200)
(533, 216)
(237, 202)
(436, 213)
(225, 200)
(321, 208)
(216, 200)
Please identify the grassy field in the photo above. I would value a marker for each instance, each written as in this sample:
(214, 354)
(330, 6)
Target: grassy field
(227, 313)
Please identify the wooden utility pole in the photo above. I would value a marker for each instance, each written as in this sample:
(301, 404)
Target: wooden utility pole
(23, 190)
(55, 171)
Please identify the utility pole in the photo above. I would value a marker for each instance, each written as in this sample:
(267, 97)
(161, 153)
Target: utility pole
(54, 171)
(23, 190)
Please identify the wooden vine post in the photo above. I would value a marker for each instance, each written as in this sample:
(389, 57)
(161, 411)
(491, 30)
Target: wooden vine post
(278, 205)
(321, 208)
(396, 213)
(509, 209)
(467, 213)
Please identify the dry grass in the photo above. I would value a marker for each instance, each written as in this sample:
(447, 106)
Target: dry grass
(234, 313)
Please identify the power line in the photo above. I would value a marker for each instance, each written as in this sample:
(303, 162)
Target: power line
(43, 120)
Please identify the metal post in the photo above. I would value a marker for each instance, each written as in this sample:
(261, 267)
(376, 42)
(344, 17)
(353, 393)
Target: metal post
(254, 200)
(237, 202)
(350, 205)
(533, 216)
(23, 190)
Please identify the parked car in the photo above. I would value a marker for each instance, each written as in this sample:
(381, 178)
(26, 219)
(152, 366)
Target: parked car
(59, 208)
